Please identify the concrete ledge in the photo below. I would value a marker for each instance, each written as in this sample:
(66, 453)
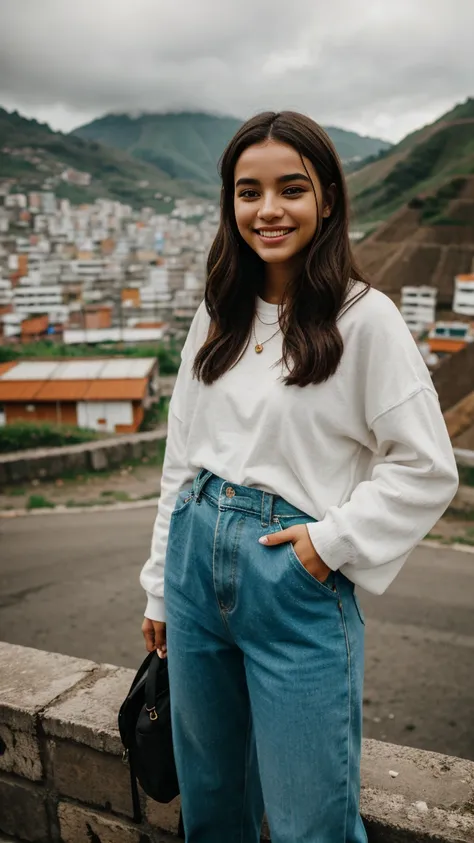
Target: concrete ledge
(47, 463)
(62, 779)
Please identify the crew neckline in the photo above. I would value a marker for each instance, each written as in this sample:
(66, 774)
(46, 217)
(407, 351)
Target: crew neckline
(266, 308)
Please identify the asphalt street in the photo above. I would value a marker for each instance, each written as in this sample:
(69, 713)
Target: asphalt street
(69, 583)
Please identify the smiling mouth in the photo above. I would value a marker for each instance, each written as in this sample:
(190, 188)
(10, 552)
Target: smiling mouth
(273, 234)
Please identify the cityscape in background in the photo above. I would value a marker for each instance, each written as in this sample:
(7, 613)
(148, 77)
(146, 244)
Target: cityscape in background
(86, 276)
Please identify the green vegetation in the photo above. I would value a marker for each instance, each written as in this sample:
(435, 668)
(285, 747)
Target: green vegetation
(169, 355)
(39, 502)
(156, 414)
(427, 167)
(20, 436)
(115, 174)
(432, 207)
(466, 475)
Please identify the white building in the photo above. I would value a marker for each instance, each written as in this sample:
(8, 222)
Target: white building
(92, 336)
(29, 299)
(48, 202)
(6, 295)
(16, 200)
(463, 302)
(418, 307)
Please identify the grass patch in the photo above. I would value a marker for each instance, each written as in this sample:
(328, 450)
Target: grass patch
(434, 537)
(156, 415)
(466, 475)
(463, 540)
(460, 514)
(39, 502)
(16, 492)
(19, 436)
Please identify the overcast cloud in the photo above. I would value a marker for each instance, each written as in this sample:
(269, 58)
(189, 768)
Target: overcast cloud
(382, 68)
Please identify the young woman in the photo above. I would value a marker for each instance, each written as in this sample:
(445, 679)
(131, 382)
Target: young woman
(306, 453)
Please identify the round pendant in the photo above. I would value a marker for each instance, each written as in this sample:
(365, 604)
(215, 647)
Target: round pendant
(259, 348)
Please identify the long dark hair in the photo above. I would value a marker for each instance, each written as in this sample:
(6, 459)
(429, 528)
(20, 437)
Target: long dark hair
(313, 300)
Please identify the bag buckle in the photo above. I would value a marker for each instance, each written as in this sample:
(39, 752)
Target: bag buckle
(152, 713)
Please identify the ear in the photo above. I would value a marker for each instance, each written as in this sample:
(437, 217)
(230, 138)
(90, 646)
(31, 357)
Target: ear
(329, 200)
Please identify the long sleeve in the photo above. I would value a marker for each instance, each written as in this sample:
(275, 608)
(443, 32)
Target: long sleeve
(413, 481)
(176, 475)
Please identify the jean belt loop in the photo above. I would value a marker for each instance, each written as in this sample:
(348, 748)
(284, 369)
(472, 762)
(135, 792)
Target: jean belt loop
(199, 482)
(267, 506)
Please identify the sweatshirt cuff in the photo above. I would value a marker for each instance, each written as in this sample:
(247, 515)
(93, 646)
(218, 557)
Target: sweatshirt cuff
(335, 550)
(155, 608)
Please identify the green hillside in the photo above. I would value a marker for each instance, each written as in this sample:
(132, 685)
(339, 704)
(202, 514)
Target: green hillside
(188, 145)
(35, 156)
(353, 147)
(185, 146)
(420, 165)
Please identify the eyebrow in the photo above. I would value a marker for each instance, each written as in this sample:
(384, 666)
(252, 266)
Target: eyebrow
(281, 179)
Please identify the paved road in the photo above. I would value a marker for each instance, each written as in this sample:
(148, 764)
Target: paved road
(69, 583)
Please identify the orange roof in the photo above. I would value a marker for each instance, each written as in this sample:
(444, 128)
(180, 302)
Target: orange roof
(63, 391)
(127, 389)
(468, 277)
(446, 344)
(19, 390)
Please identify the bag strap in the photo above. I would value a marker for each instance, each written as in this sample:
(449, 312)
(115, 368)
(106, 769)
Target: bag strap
(137, 811)
(152, 682)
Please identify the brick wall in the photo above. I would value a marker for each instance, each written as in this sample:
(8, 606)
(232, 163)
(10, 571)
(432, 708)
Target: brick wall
(62, 779)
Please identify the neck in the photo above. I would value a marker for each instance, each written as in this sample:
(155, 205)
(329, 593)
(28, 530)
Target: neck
(277, 276)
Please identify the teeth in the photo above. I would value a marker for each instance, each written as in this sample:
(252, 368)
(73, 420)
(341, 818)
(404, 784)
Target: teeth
(279, 233)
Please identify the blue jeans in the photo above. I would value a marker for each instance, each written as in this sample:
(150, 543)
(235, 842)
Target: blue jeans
(266, 675)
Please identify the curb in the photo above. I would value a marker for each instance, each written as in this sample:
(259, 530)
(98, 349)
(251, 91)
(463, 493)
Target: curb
(77, 510)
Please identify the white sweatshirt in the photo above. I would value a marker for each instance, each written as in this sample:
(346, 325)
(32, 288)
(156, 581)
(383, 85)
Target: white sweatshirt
(366, 453)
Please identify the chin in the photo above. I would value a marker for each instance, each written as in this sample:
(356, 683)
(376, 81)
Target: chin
(274, 257)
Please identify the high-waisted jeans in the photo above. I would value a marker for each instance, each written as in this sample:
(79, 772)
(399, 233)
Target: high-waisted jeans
(266, 675)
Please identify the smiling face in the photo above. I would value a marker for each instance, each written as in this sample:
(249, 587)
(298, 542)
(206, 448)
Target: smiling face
(276, 204)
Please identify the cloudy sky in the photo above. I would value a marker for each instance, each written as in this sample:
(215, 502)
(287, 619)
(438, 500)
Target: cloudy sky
(379, 67)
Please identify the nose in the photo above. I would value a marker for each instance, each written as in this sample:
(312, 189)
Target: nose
(269, 208)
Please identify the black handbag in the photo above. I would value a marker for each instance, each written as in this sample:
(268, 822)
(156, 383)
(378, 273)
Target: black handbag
(144, 723)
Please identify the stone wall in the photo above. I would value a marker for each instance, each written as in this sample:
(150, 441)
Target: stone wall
(46, 463)
(62, 778)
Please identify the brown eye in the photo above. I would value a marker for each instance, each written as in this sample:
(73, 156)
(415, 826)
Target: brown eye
(293, 191)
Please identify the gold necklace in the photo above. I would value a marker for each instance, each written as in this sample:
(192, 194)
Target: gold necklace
(266, 323)
(259, 345)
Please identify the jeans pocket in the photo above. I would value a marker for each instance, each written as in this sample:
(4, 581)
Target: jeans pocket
(325, 587)
(182, 501)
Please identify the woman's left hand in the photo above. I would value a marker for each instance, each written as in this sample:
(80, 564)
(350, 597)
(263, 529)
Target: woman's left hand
(303, 547)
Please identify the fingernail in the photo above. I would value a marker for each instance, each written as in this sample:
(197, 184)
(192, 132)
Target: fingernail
(264, 540)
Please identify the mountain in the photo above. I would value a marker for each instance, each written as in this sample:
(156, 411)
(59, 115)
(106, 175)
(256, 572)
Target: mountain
(425, 162)
(428, 241)
(188, 145)
(354, 148)
(184, 145)
(35, 156)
